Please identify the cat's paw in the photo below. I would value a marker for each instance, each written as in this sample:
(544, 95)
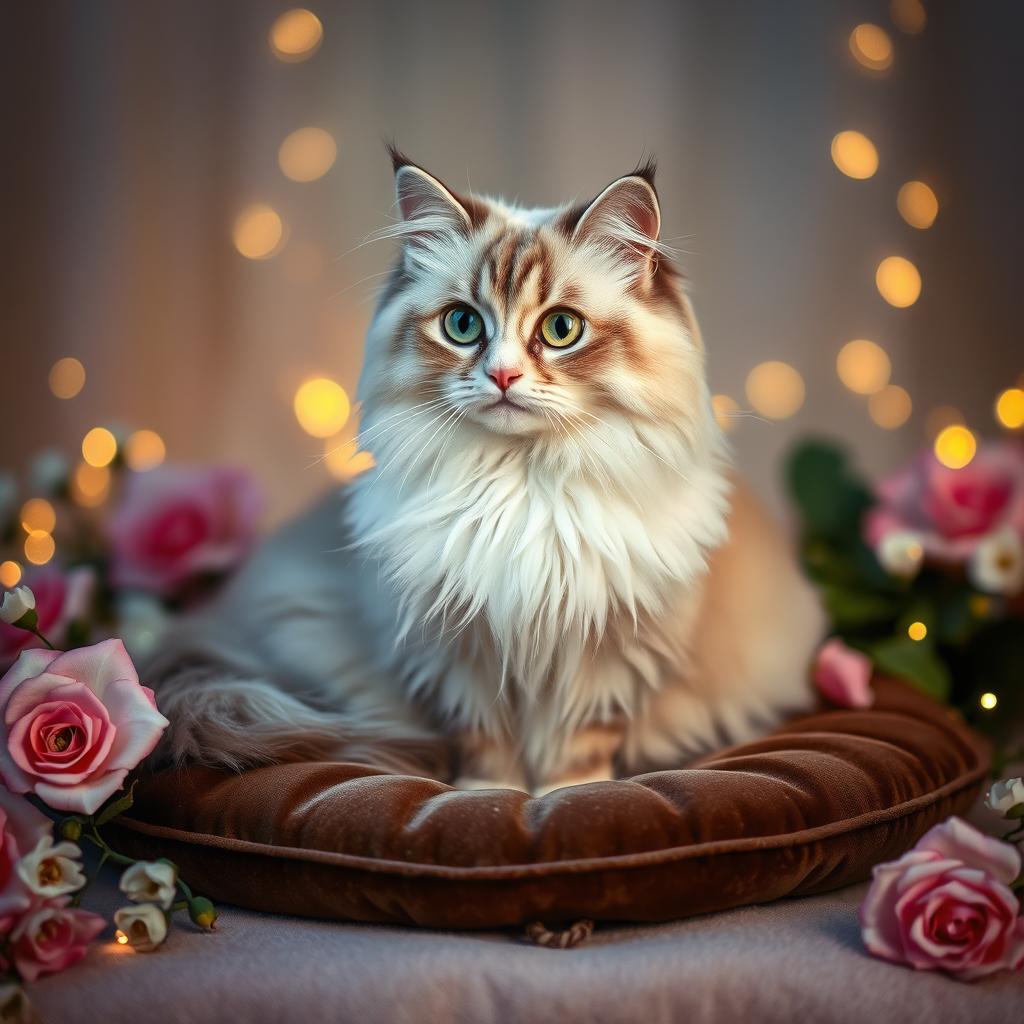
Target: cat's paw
(469, 782)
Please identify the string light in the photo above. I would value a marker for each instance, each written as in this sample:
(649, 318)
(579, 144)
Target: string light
(39, 547)
(854, 154)
(775, 389)
(871, 47)
(99, 447)
(891, 407)
(67, 377)
(917, 204)
(725, 410)
(988, 701)
(307, 154)
(863, 366)
(917, 631)
(955, 447)
(90, 485)
(908, 16)
(321, 407)
(10, 574)
(122, 939)
(296, 35)
(144, 450)
(898, 281)
(258, 232)
(38, 514)
(1010, 408)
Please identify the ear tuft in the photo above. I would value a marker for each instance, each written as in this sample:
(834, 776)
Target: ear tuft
(646, 169)
(398, 158)
(626, 215)
(427, 206)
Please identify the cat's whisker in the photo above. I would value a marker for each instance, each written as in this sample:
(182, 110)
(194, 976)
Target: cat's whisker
(453, 411)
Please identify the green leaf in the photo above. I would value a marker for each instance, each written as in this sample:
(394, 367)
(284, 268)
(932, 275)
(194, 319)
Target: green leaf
(852, 609)
(119, 806)
(913, 660)
(830, 497)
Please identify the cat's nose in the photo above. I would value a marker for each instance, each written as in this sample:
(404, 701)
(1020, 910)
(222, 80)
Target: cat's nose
(504, 377)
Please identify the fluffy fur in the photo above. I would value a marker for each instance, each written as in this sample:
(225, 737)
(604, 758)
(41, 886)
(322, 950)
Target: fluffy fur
(558, 581)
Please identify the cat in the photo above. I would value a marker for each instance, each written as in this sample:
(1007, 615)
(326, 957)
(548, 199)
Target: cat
(552, 571)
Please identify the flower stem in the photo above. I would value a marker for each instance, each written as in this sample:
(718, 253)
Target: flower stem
(35, 632)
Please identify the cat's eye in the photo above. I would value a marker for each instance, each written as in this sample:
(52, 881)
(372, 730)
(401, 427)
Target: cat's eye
(463, 325)
(561, 328)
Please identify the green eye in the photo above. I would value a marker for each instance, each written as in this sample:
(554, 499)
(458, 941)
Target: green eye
(463, 325)
(561, 328)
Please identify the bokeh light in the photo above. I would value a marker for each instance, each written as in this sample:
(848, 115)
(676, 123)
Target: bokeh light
(258, 232)
(908, 16)
(898, 281)
(39, 547)
(296, 35)
(307, 154)
(144, 450)
(854, 154)
(917, 631)
(67, 377)
(955, 446)
(345, 461)
(891, 407)
(725, 410)
(917, 204)
(99, 447)
(322, 407)
(775, 389)
(90, 485)
(871, 47)
(863, 366)
(10, 574)
(939, 418)
(38, 514)
(988, 701)
(1010, 408)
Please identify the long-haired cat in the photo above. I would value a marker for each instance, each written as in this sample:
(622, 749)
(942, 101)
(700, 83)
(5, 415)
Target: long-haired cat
(551, 568)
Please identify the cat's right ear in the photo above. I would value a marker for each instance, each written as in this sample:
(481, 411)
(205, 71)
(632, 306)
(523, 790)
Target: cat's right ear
(427, 206)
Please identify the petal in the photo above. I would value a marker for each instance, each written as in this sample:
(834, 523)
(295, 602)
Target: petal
(30, 663)
(97, 666)
(957, 840)
(84, 798)
(139, 724)
(25, 823)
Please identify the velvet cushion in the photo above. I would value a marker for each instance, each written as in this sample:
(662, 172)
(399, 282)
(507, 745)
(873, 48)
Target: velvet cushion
(807, 809)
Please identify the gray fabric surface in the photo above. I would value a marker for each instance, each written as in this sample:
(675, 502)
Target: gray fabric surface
(798, 960)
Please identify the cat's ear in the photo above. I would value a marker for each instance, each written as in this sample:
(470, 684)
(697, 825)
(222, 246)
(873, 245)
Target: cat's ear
(427, 206)
(627, 214)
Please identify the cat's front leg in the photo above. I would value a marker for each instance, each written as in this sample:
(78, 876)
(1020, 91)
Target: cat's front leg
(489, 762)
(589, 756)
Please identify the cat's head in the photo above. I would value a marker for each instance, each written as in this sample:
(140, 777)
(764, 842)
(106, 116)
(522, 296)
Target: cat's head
(533, 323)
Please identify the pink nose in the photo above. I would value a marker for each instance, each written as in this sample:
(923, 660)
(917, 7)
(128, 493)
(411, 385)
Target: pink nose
(504, 378)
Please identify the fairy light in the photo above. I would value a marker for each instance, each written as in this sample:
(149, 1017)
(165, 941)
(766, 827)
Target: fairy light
(891, 407)
(725, 410)
(871, 47)
(99, 447)
(775, 389)
(10, 574)
(898, 281)
(917, 204)
(296, 35)
(122, 939)
(863, 366)
(67, 377)
(908, 16)
(1010, 408)
(955, 447)
(854, 154)
(90, 485)
(322, 407)
(39, 547)
(38, 514)
(917, 631)
(144, 450)
(988, 701)
(258, 232)
(307, 154)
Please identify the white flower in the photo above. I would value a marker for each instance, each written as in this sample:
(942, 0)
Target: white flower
(997, 565)
(1003, 797)
(16, 603)
(14, 1005)
(150, 882)
(901, 553)
(49, 471)
(51, 871)
(144, 927)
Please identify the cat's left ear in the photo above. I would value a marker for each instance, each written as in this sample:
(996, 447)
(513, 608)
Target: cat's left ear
(626, 213)
(427, 206)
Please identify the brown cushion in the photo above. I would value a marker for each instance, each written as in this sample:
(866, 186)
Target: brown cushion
(809, 808)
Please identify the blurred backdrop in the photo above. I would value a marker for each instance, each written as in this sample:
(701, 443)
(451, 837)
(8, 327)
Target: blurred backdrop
(186, 187)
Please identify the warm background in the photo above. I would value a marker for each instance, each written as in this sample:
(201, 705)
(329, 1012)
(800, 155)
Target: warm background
(139, 138)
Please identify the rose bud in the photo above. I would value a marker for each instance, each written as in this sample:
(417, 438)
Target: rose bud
(18, 608)
(202, 912)
(1007, 798)
(71, 829)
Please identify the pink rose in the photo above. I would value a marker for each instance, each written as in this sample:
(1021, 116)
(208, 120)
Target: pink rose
(949, 511)
(61, 598)
(73, 725)
(946, 905)
(843, 675)
(52, 937)
(174, 524)
(21, 829)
